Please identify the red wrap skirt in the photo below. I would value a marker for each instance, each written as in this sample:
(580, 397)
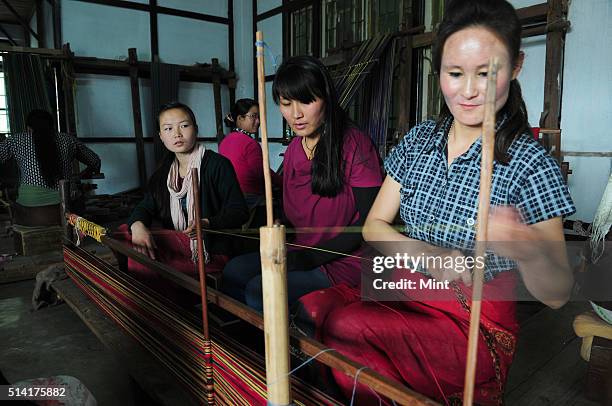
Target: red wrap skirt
(420, 343)
(173, 249)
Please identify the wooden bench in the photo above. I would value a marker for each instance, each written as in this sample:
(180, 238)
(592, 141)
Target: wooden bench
(597, 351)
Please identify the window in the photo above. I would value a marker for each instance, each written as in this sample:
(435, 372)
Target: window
(386, 15)
(4, 120)
(301, 31)
(345, 23)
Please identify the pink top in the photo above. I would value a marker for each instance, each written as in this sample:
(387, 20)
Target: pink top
(247, 159)
(305, 209)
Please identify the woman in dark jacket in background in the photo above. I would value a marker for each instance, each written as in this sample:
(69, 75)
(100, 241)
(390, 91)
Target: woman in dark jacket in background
(170, 201)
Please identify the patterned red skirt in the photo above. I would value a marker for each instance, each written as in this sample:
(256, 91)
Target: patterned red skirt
(173, 249)
(420, 343)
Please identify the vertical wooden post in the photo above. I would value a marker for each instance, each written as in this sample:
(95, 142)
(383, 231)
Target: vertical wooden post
(231, 83)
(217, 95)
(154, 37)
(68, 85)
(553, 76)
(64, 188)
(484, 198)
(136, 114)
(40, 25)
(68, 78)
(405, 86)
(57, 24)
(273, 269)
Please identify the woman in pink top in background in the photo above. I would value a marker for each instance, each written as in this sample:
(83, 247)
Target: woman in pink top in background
(331, 174)
(240, 147)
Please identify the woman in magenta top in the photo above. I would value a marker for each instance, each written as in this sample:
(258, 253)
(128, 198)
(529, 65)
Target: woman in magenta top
(240, 147)
(331, 174)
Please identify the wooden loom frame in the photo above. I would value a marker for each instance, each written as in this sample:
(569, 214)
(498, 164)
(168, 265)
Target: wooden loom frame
(305, 345)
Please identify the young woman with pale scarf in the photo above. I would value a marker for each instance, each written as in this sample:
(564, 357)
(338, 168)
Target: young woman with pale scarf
(169, 201)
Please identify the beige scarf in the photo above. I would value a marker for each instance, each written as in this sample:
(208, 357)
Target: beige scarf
(176, 194)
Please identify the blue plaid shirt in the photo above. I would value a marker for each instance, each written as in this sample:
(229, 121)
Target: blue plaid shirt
(439, 204)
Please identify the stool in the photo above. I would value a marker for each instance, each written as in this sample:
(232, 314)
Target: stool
(597, 351)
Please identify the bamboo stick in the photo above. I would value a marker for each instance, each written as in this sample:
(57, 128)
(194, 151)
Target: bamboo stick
(208, 373)
(276, 314)
(261, 85)
(484, 198)
(195, 184)
(273, 270)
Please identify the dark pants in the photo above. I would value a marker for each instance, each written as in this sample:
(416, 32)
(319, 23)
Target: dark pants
(242, 281)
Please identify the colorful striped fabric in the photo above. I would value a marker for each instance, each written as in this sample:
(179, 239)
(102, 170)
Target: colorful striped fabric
(220, 371)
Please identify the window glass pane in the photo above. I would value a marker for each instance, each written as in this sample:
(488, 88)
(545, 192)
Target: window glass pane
(4, 122)
(301, 31)
(2, 102)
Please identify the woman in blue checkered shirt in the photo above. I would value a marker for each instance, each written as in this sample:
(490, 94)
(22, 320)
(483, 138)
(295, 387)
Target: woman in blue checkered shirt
(433, 182)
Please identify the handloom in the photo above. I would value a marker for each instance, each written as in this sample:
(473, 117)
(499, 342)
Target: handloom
(175, 338)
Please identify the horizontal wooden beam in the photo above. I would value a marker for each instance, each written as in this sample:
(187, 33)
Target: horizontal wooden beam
(160, 10)
(196, 73)
(193, 15)
(422, 40)
(270, 13)
(287, 8)
(533, 14)
(55, 53)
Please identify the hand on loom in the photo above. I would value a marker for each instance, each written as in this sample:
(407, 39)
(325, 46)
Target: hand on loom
(539, 249)
(510, 237)
(191, 230)
(449, 274)
(142, 240)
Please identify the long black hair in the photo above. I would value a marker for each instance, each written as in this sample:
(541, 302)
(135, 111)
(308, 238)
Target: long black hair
(304, 78)
(500, 18)
(45, 145)
(157, 183)
(240, 108)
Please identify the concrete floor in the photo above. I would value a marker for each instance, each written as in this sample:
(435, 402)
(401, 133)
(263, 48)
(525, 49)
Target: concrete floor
(54, 341)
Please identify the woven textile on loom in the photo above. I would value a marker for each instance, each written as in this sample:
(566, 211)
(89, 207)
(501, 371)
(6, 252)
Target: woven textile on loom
(174, 337)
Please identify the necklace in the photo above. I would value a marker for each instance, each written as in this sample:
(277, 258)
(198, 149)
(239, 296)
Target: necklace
(240, 130)
(311, 151)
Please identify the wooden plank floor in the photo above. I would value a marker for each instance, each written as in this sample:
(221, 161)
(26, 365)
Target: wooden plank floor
(547, 369)
(157, 382)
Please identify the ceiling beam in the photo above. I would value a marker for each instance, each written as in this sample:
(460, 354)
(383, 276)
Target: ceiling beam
(8, 36)
(24, 24)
